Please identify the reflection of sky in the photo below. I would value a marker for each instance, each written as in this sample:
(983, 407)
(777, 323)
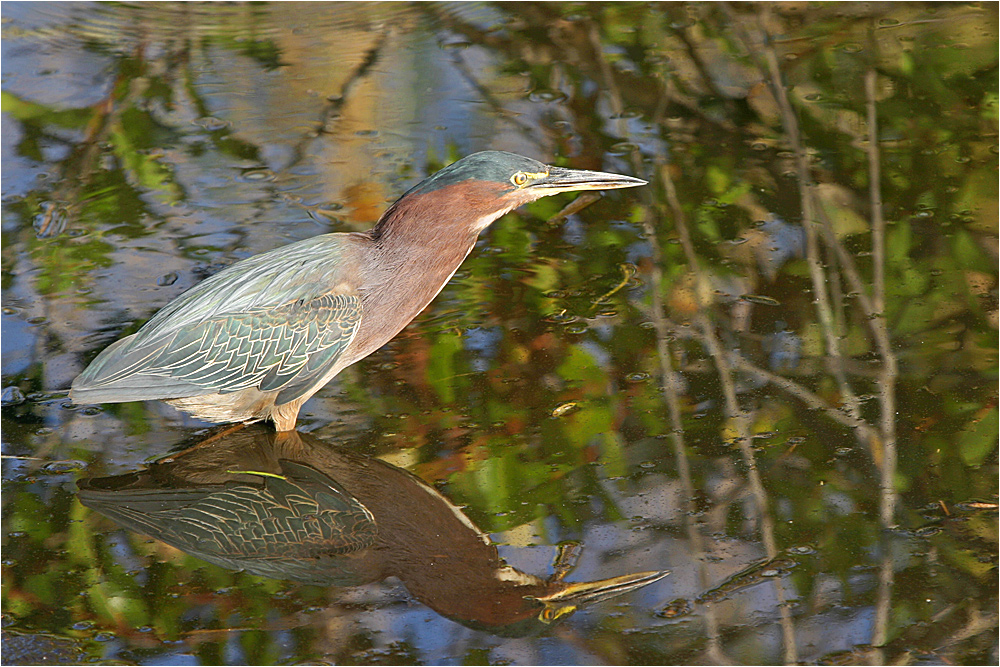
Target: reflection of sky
(483, 342)
(16, 343)
(173, 660)
(73, 78)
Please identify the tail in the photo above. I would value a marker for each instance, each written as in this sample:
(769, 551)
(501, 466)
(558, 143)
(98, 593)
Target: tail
(113, 378)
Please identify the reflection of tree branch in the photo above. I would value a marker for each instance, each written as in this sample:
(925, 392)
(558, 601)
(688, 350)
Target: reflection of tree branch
(883, 448)
(735, 414)
(875, 196)
(938, 634)
(670, 382)
(707, 334)
(680, 31)
(79, 168)
(485, 39)
(332, 107)
(883, 602)
(636, 91)
(672, 390)
(772, 70)
(489, 97)
(606, 73)
(811, 399)
(334, 103)
(887, 385)
(581, 202)
(850, 271)
(978, 623)
(873, 309)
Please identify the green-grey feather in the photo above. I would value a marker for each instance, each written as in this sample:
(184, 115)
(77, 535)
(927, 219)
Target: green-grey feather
(302, 519)
(268, 322)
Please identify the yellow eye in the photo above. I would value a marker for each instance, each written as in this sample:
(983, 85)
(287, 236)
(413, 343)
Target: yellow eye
(520, 178)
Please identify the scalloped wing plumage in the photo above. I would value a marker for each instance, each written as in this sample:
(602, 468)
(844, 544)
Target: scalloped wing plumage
(288, 527)
(275, 322)
(302, 270)
(288, 348)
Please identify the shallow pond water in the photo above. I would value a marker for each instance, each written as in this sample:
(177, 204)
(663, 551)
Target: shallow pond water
(772, 371)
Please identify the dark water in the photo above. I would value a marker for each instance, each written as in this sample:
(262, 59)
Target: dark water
(767, 372)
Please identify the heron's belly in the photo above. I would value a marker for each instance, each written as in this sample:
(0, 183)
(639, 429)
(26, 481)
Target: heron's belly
(247, 405)
(250, 405)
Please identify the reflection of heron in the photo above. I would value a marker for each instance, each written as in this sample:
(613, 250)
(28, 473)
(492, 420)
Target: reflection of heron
(256, 340)
(290, 506)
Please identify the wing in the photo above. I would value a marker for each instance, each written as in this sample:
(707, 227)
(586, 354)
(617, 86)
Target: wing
(277, 321)
(302, 514)
(287, 348)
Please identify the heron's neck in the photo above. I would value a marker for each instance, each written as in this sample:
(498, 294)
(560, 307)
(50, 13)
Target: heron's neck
(414, 262)
(409, 257)
(440, 217)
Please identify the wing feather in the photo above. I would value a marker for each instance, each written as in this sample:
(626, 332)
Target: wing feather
(305, 514)
(302, 340)
(275, 320)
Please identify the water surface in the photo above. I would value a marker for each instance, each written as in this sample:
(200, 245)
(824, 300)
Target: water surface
(772, 371)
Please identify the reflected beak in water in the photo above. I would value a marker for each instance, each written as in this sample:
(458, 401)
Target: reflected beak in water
(575, 595)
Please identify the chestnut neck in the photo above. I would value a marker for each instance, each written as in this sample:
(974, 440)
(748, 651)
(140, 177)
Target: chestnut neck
(412, 252)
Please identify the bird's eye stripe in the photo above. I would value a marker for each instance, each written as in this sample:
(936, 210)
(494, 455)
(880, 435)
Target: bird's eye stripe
(521, 177)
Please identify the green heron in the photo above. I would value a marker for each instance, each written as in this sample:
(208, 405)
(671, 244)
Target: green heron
(291, 506)
(257, 339)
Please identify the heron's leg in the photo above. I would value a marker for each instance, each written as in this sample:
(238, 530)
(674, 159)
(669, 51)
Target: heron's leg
(565, 560)
(284, 416)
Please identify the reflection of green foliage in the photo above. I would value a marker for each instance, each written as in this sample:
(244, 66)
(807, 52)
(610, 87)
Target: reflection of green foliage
(65, 263)
(264, 52)
(34, 120)
(489, 436)
(441, 371)
(979, 438)
(128, 139)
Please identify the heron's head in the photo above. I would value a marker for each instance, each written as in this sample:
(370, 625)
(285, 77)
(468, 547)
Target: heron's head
(527, 605)
(479, 188)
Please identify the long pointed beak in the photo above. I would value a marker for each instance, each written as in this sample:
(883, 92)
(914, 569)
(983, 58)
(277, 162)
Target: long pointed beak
(560, 179)
(584, 593)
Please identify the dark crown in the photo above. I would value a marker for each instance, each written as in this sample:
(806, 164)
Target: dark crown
(491, 166)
